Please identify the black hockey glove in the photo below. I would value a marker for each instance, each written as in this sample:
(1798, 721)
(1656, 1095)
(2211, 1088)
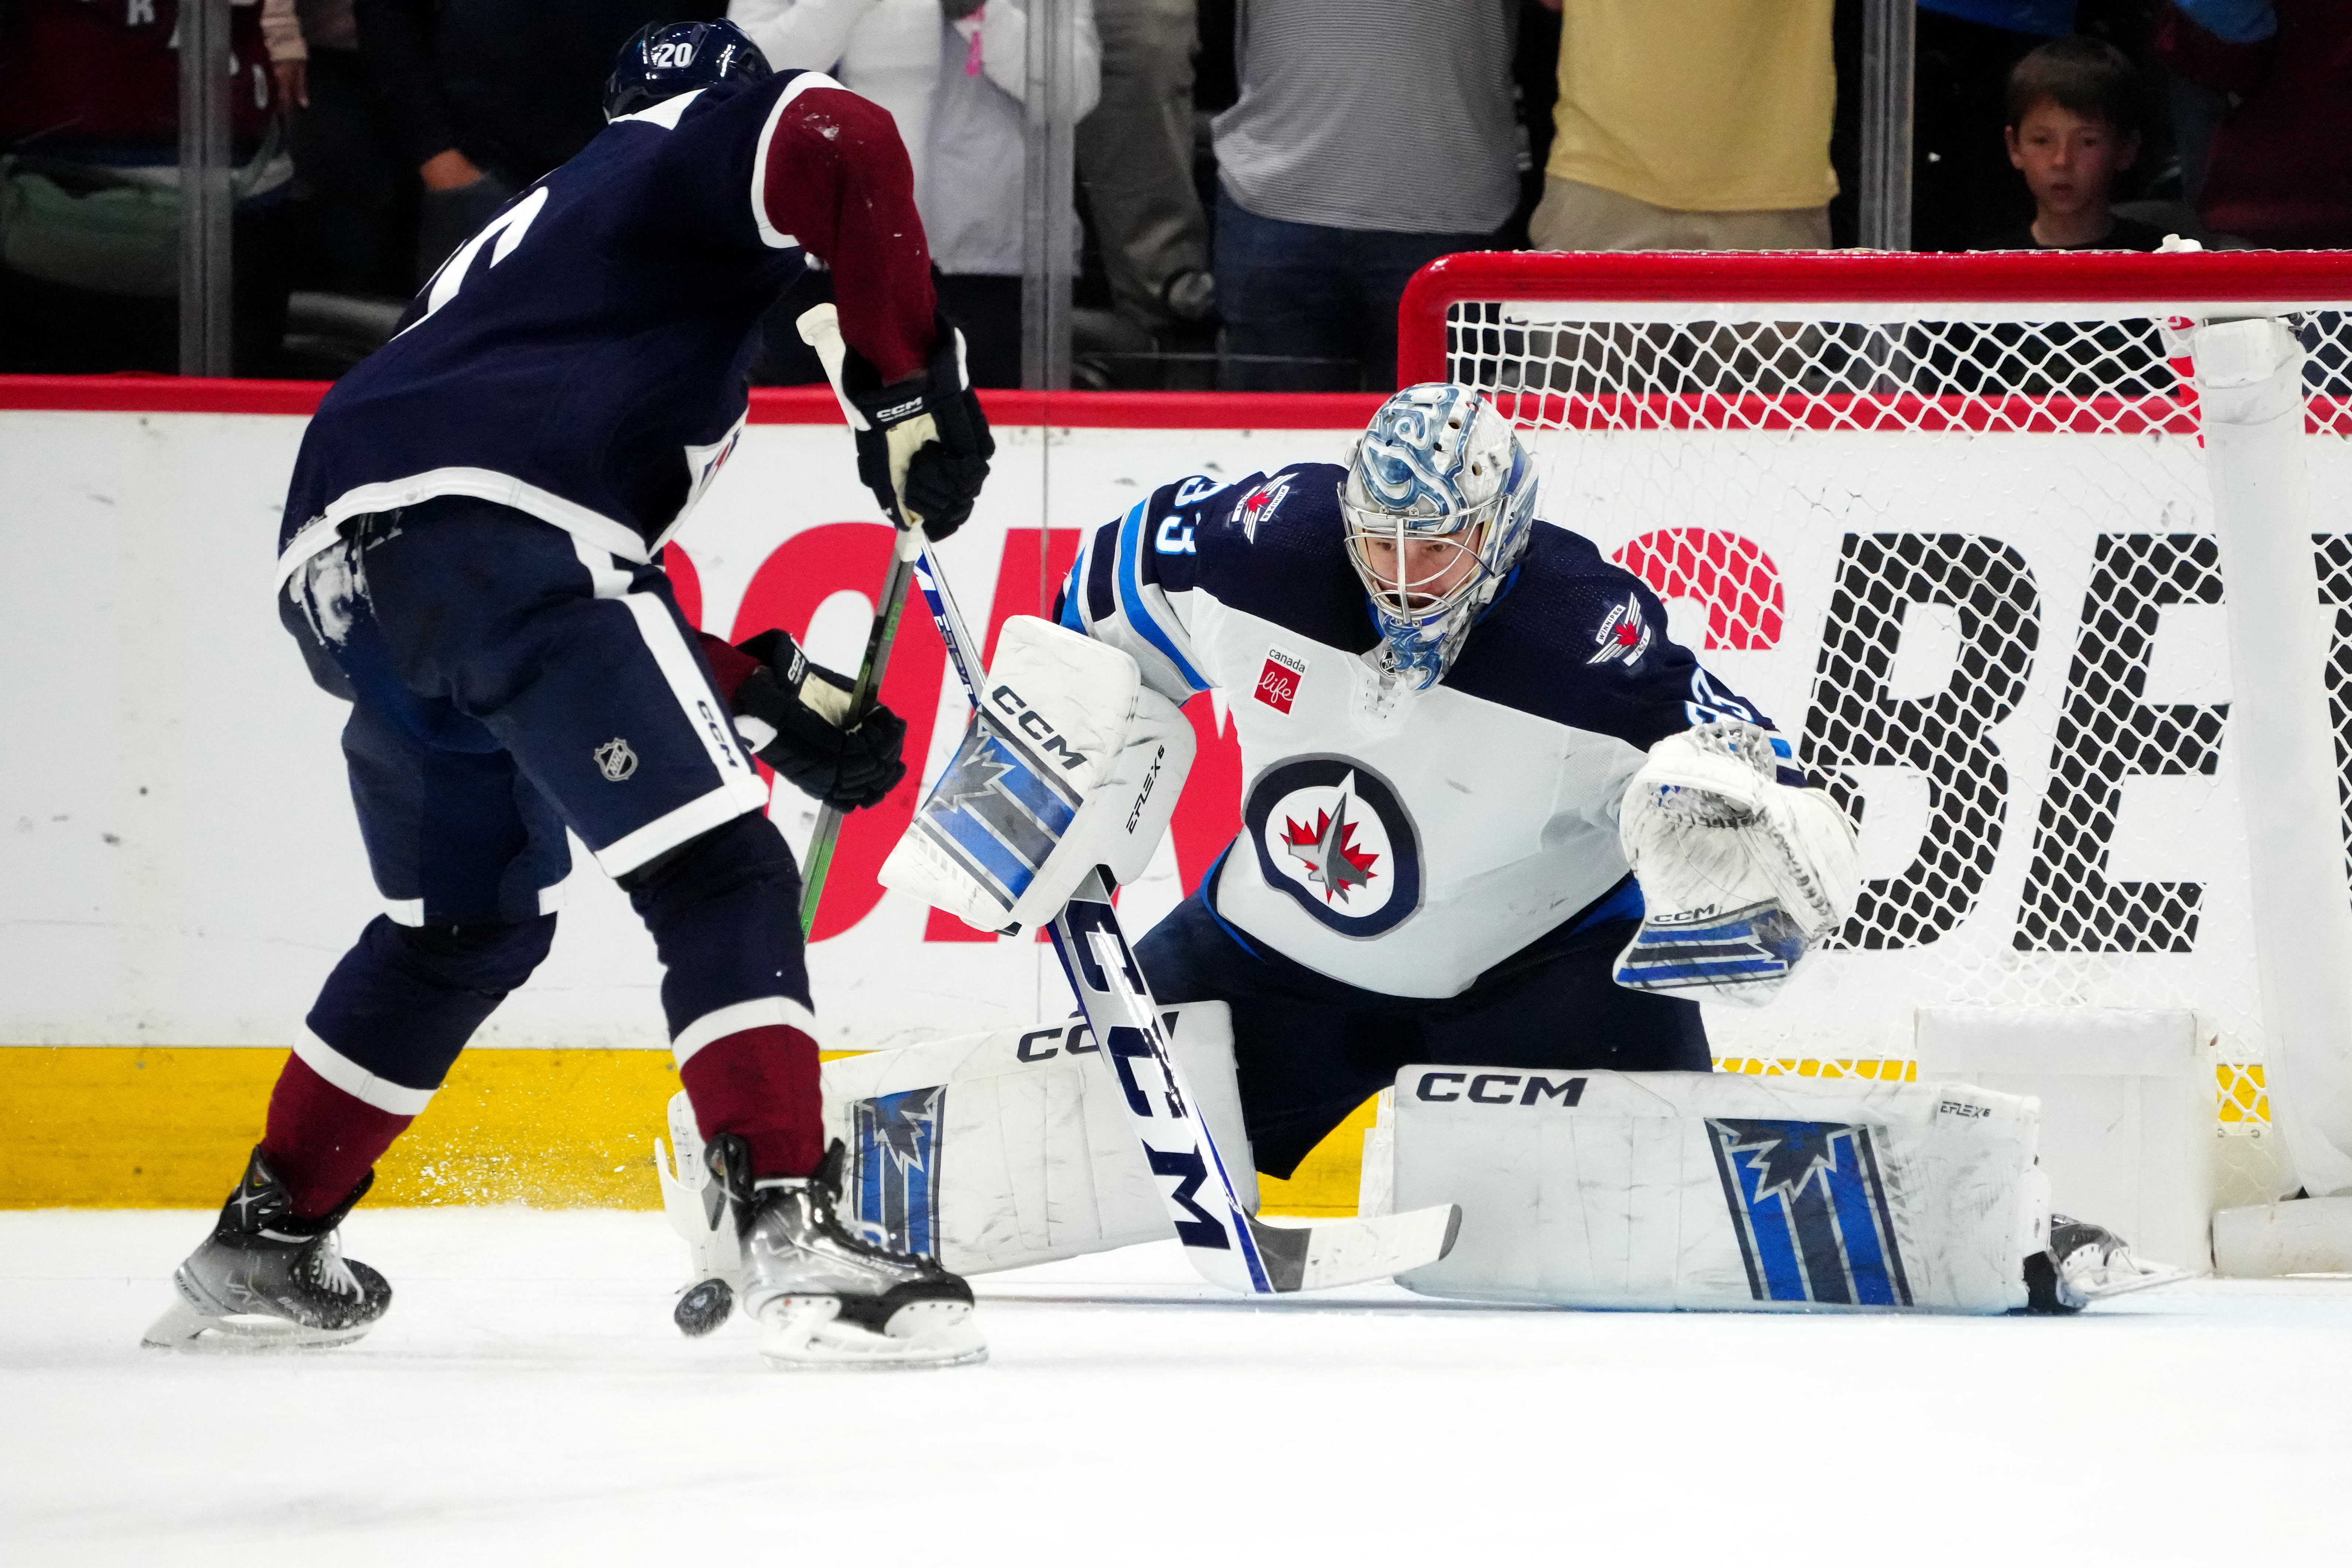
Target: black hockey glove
(926, 438)
(814, 742)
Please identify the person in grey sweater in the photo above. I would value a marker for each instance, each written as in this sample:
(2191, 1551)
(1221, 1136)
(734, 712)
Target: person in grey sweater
(1370, 137)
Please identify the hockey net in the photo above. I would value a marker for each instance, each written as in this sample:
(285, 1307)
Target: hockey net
(1948, 521)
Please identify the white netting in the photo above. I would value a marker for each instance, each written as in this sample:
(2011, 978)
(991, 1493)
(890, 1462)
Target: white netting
(1965, 557)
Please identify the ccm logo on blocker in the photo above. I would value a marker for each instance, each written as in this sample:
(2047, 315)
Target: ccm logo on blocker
(1498, 1088)
(1033, 724)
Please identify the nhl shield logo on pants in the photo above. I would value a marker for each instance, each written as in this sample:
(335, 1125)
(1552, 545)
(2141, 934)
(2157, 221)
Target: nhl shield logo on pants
(615, 761)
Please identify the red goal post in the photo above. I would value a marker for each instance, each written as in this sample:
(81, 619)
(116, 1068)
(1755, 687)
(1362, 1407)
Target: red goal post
(1961, 524)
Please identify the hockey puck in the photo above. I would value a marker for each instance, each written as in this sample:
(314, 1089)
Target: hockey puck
(703, 1307)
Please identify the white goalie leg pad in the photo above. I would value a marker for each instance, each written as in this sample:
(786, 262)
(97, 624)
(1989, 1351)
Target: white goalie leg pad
(1069, 762)
(995, 1151)
(1741, 875)
(1721, 1191)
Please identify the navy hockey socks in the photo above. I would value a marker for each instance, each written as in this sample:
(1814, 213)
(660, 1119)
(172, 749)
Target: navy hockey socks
(724, 912)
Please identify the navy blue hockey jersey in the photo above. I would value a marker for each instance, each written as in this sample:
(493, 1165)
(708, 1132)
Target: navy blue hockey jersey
(584, 358)
(1400, 841)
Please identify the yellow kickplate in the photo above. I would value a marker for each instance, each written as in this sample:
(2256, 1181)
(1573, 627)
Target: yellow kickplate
(125, 1127)
(120, 1127)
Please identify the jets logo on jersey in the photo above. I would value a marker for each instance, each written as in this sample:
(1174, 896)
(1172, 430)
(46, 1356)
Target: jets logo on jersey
(1623, 635)
(1809, 1205)
(1332, 835)
(1259, 505)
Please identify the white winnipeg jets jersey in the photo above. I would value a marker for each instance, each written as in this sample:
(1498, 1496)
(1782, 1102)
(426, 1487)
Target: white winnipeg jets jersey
(1397, 841)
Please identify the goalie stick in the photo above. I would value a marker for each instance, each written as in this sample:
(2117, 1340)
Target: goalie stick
(1228, 1245)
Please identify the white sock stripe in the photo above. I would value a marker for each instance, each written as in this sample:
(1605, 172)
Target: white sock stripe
(356, 1081)
(761, 1013)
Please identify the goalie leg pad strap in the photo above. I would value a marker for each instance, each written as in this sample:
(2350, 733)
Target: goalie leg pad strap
(1720, 1191)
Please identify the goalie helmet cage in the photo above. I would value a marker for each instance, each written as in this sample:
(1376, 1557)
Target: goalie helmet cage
(1959, 524)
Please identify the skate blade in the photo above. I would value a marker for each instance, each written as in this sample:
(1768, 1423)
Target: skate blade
(805, 1334)
(183, 1328)
(2105, 1282)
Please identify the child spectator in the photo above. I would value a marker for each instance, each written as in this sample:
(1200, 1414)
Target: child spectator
(2075, 125)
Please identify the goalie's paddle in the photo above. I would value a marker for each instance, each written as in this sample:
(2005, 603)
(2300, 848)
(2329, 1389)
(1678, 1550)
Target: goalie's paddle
(1229, 1245)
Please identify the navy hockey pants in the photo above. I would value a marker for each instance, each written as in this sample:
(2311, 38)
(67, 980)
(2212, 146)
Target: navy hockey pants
(1308, 1049)
(507, 682)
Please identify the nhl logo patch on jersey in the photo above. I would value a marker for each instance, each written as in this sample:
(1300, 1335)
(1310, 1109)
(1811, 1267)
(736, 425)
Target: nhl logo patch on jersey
(1624, 634)
(615, 761)
(1278, 682)
(1333, 835)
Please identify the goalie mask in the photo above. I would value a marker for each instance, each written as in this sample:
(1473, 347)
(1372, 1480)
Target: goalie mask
(1439, 500)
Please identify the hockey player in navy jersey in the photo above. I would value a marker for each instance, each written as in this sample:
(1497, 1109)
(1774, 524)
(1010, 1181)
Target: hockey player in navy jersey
(470, 554)
(1473, 761)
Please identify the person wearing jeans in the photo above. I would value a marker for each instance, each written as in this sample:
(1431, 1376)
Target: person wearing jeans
(1370, 137)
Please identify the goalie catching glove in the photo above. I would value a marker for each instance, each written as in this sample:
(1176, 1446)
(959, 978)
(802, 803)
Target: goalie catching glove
(794, 714)
(1741, 875)
(923, 444)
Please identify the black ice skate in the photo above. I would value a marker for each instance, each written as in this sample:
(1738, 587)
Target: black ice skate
(267, 1280)
(822, 1297)
(2084, 1263)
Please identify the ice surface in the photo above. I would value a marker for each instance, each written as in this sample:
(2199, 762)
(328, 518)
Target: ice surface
(527, 1401)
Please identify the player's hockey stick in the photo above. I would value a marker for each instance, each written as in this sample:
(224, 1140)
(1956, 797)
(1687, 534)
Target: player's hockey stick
(1229, 1245)
(819, 859)
(819, 327)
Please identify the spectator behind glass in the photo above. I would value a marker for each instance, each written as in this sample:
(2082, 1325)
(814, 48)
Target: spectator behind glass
(1370, 137)
(1135, 157)
(953, 74)
(490, 94)
(89, 250)
(1963, 189)
(1691, 125)
(2073, 126)
(2279, 172)
(354, 201)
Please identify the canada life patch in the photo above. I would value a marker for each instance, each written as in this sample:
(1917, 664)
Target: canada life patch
(1332, 835)
(1278, 682)
(1624, 634)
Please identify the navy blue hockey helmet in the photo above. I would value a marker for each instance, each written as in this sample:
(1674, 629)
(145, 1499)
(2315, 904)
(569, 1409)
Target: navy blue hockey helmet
(666, 58)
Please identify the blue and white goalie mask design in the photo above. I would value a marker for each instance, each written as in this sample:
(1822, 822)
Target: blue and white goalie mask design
(1439, 500)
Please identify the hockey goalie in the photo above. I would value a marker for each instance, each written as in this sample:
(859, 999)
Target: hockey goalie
(1500, 837)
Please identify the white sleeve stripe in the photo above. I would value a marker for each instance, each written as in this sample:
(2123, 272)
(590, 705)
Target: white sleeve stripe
(356, 1081)
(770, 235)
(764, 1012)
